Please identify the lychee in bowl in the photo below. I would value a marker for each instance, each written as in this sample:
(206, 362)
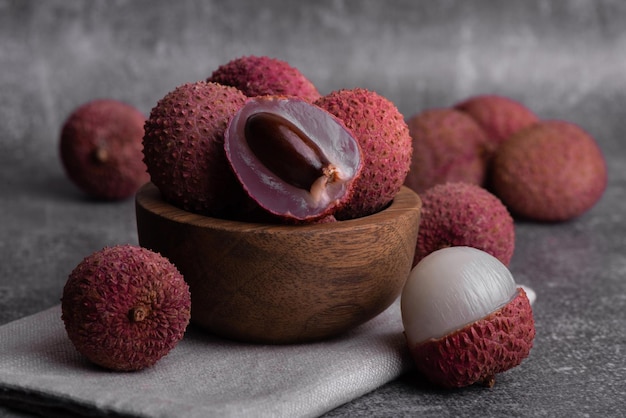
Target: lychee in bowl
(266, 283)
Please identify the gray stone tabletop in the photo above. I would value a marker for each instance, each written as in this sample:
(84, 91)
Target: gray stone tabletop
(563, 59)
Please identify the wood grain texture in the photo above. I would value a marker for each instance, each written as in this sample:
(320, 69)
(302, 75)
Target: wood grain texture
(284, 284)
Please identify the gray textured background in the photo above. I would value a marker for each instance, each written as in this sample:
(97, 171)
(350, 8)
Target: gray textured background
(564, 59)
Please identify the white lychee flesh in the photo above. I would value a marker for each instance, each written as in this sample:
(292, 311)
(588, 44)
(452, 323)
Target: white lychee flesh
(451, 288)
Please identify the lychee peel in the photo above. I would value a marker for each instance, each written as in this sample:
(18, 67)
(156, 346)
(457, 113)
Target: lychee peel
(448, 146)
(101, 151)
(479, 351)
(499, 116)
(463, 214)
(262, 75)
(384, 138)
(551, 171)
(125, 307)
(184, 149)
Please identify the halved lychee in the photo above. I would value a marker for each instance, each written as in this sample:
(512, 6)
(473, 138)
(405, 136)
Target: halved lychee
(294, 159)
(465, 319)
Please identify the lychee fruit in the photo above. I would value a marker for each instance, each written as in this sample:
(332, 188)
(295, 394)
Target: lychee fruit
(499, 116)
(125, 307)
(293, 158)
(463, 214)
(100, 149)
(383, 136)
(552, 171)
(465, 319)
(184, 149)
(262, 75)
(448, 146)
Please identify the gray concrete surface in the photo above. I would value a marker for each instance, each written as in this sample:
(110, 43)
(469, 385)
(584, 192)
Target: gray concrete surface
(564, 59)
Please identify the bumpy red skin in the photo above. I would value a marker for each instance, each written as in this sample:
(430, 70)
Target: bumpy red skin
(552, 171)
(386, 144)
(100, 149)
(98, 301)
(499, 116)
(260, 76)
(184, 149)
(463, 214)
(448, 146)
(477, 352)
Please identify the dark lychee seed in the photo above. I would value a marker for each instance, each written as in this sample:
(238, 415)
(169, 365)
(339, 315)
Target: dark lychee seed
(294, 159)
(285, 150)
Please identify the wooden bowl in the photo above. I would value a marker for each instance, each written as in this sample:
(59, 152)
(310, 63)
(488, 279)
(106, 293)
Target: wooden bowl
(266, 283)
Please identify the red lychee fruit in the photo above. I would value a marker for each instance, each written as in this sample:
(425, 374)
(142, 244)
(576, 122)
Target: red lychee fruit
(294, 159)
(499, 116)
(100, 149)
(384, 139)
(262, 75)
(552, 171)
(125, 307)
(448, 146)
(184, 149)
(463, 214)
(465, 320)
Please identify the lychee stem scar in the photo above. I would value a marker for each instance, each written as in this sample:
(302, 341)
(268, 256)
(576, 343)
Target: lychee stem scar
(489, 381)
(138, 313)
(101, 154)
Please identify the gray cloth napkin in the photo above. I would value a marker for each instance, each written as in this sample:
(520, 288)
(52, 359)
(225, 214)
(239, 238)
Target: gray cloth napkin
(203, 376)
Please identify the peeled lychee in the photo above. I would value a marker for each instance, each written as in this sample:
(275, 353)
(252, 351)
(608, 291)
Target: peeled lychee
(499, 116)
(448, 146)
(551, 171)
(125, 307)
(385, 142)
(259, 76)
(465, 320)
(293, 158)
(463, 214)
(100, 149)
(184, 149)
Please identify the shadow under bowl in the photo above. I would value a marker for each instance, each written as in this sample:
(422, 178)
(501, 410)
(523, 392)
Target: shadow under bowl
(268, 283)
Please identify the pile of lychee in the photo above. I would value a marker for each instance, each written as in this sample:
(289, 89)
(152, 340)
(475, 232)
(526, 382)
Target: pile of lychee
(275, 154)
(257, 142)
(254, 142)
(542, 170)
(477, 165)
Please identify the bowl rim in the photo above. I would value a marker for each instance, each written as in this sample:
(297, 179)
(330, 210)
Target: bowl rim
(150, 199)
